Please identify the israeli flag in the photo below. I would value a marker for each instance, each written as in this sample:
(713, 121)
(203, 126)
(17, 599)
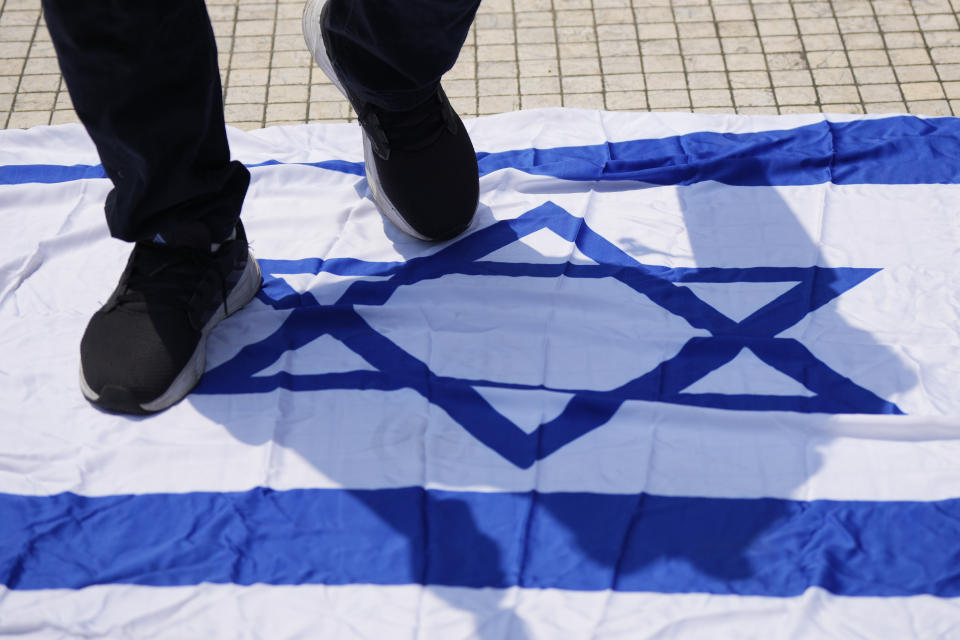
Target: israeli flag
(685, 376)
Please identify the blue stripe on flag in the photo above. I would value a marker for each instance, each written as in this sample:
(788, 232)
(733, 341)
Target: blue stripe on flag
(895, 150)
(580, 541)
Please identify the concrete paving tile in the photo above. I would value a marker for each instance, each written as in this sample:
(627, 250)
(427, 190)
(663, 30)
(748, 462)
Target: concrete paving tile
(523, 52)
(668, 99)
(868, 58)
(711, 98)
(799, 108)
(582, 34)
(931, 6)
(252, 43)
(613, 48)
(949, 71)
(709, 80)
(289, 93)
(37, 64)
(833, 94)
(898, 23)
(817, 59)
(892, 7)
(41, 101)
(496, 70)
(822, 42)
(534, 19)
(537, 101)
(811, 26)
(537, 68)
(701, 46)
(288, 42)
(791, 78)
(250, 60)
(609, 64)
(626, 100)
(833, 76)
(795, 95)
(945, 54)
(916, 73)
(842, 108)
(14, 49)
(286, 111)
(290, 75)
(880, 93)
(246, 95)
(929, 107)
(917, 91)
(11, 66)
(874, 75)
(749, 79)
(9, 84)
(581, 84)
(753, 97)
(744, 61)
(615, 15)
(27, 119)
(859, 24)
(536, 35)
(776, 28)
(690, 30)
(757, 110)
(781, 44)
(909, 56)
(942, 38)
(496, 86)
(904, 40)
(773, 11)
(739, 28)
(246, 126)
(745, 44)
(497, 104)
(584, 100)
(650, 48)
(243, 112)
(635, 81)
(47, 82)
(723, 13)
(64, 116)
(952, 90)
(656, 31)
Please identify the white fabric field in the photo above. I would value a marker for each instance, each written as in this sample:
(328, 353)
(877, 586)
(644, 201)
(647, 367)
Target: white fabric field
(685, 376)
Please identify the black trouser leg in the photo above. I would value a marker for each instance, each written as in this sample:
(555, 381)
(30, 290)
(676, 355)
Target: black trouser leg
(391, 53)
(145, 82)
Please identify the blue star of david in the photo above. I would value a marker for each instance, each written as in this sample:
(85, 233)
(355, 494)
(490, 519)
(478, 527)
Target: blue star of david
(586, 409)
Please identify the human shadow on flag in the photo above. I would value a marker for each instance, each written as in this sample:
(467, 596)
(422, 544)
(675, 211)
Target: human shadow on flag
(543, 402)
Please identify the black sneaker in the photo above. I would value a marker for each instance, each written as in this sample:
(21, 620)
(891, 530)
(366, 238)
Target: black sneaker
(146, 348)
(420, 164)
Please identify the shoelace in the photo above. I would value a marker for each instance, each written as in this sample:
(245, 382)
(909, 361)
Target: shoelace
(410, 130)
(169, 276)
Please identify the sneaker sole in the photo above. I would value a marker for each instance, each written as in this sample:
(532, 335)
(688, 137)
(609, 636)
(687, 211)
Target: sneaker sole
(121, 400)
(313, 35)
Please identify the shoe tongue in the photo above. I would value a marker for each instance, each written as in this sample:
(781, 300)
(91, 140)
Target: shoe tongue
(414, 129)
(162, 272)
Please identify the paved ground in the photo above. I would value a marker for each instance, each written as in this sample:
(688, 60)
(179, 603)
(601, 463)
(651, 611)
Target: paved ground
(739, 56)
